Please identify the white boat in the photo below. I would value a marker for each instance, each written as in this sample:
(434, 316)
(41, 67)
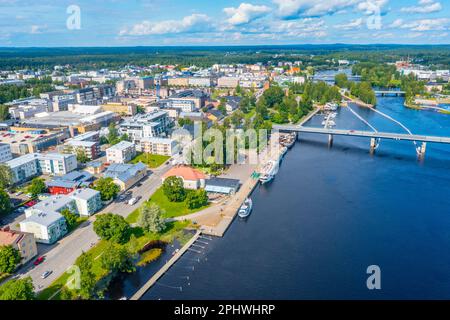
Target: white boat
(245, 208)
(269, 171)
(283, 151)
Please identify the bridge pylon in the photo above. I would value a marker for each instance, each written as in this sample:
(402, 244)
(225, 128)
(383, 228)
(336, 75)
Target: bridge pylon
(421, 151)
(330, 140)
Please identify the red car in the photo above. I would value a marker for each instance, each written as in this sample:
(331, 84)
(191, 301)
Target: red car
(38, 261)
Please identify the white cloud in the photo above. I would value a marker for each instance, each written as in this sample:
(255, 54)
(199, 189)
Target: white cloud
(372, 6)
(427, 25)
(245, 13)
(291, 9)
(425, 6)
(396, 24)
(300, 28)
(354, 24)
(35, 29)
(192, 23)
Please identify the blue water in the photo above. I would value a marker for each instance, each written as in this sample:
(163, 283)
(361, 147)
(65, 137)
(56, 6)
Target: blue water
(329, 214)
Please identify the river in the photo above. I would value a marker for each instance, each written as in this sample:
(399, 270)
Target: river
(328, 215)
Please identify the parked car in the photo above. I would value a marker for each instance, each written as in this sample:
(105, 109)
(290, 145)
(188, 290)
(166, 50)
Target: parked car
(46, 274)
(38, 261)
(132, 201)
(18, 193)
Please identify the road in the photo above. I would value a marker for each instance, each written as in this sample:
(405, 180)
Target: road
(64, 253)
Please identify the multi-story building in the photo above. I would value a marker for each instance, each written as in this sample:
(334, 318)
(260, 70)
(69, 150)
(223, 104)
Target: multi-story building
(30, 140)
(5, 152)
(120, 108)
(161, 146)
(199, 82)
(87, 142)
(57, 164)
(197, 96)
(183, 105)
(88, 201)
(228, 82)
(33, 164)
(24, 242)
(47, 227)
(178, 82)
(122, 152)
(146, 125)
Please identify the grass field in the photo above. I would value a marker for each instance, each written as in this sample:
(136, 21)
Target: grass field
(170, 209)
(151, 160)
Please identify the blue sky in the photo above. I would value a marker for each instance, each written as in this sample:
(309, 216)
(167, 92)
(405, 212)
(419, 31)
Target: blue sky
(43, 23)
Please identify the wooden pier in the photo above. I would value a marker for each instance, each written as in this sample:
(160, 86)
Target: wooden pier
(165, 268)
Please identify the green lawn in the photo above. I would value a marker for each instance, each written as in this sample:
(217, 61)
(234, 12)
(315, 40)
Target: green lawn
(170, 209)
(151, 160)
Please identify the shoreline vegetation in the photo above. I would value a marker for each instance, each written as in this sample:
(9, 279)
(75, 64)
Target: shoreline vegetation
(102, 277)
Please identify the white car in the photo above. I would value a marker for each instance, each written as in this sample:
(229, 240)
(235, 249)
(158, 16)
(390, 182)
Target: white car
(46, 274)
(132, 201)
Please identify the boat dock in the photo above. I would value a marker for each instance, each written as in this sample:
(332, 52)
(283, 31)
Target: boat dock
(231, 209)
(166, 267)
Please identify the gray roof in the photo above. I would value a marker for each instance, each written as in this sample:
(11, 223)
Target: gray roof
(222, 182)
(46, 218)
(84, 194)
(124, 172)
(52, 203)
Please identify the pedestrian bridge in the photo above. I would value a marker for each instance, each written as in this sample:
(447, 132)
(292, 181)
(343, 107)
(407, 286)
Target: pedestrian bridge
(389, 93)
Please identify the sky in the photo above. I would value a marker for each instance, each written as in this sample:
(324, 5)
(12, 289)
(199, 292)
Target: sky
(62, 23)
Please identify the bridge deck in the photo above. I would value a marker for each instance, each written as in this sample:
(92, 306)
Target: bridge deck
(361, 133)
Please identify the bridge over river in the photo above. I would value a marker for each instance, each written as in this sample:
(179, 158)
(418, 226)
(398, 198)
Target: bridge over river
(373, 135)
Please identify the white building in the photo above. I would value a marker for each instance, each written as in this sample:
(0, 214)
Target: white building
(33, 164)
(47, 227)
(5, 152)
(183, 105)
(199, 82)
(88, 201)
(145, 125)
(161, 146)
(122, 152)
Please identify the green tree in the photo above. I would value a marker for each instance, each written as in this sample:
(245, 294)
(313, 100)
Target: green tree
(5, 176)
(9, 259)
(113, 134)
(18, 289)
(150, 218)
(81, 155)
(4, 112)
(5, 203)
(341, 80)
(36, 187)
(173, 189)
(223, 106)
(112, 227)
(197, 199)
(107, 188)
(87, 277)
(71, 218)
(117, 259)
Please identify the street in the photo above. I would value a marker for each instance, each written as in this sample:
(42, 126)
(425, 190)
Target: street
(64, 253)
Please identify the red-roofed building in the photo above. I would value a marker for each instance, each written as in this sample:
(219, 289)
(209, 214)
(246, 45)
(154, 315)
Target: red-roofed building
(22, 241)
(192, 178)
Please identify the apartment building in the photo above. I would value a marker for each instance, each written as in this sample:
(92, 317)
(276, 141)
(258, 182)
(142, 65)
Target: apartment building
(33, 164)
(146, 125)
(5, 152)
(161, 146)
(47, 227)
(122, 152)
(24, 242)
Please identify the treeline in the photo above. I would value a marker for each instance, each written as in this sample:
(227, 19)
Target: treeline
(313, 55)
(378, 75)
(362, 90)
(32, 87)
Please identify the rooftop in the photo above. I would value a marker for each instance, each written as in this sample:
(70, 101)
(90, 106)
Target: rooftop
(44, 218)
(85, 193)
(121, 145)
(52, 203)
(185, 172)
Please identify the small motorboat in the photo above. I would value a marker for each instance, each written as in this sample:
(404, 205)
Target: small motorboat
(246, 208)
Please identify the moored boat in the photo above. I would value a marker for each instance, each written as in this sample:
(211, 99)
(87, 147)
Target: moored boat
(246, 208)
